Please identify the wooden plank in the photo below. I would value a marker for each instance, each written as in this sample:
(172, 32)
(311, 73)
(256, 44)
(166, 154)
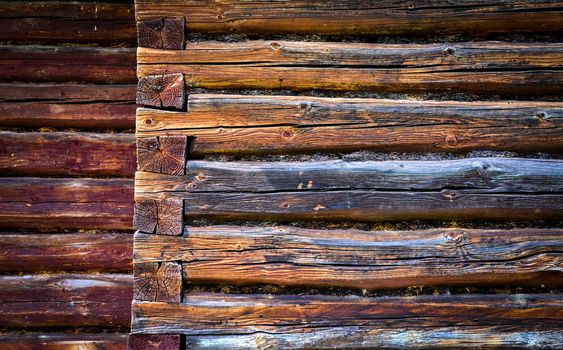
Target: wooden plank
(67, 106)
(291, 256)
(67, 22)
(205, 313)
(335, 17)
(63, 341)
(67, 64)
(30, 252)
(67, 154)
(49, 203)
(66, 300)
(280, 124)
(154, 342)
(486, 67)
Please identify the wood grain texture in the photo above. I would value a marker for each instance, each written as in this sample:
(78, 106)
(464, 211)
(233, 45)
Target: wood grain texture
(165, 33)
(67, 154)
(50, 203)
(65, 300)
(63, 341)
(162, 154)
(482, 67)
(290, 256)
(158, 282)
(67, 64)
(153, 342)
(67, 22)
(335, 17)
(29, 252)
(163, 217)
(67, 106)
(205, 313)
(238, 124)
(162, 91)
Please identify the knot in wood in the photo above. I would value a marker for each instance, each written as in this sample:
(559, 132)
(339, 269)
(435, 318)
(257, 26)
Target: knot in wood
(456, 237)
(541, 115)
(448, 51)
(450, 140)
(276, 46)
(449, 194)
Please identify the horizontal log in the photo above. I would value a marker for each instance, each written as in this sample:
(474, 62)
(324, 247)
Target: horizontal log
(67, 22)
(359, 17)
(290, 256)
(280, 124)
(67, 106)
(67, 64)
(66, 300)
(62, 341)
(50, 203)
(205, 313)
(67, 154)
(486, 67)
(25, 252)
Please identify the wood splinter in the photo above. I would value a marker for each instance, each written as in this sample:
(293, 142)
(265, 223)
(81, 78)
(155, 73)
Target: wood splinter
(153, 342)
(165, 33)
(162, 154)
(160, 217)
(162, 91)
(158, 282)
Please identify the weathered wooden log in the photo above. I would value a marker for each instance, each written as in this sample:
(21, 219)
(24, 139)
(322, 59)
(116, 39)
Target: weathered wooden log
(162, 91)
(63, 341)
(205, 313)
(67, 64)
(67, 154)
(163, 217)
(291, 256)
(278, 124)
(27, 252)
(335, 17)
(51, 203)
(162, 154)
(67, 22)
(154, 342)
(66, 300)
(164, 33)
(158, 282)
(487, 67)
(67, 106)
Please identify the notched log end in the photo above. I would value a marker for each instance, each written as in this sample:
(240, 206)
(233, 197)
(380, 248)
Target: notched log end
(153, 342)
(158, 282)
(166, 33)
(162, 91)
(160, 217)
(162, 154)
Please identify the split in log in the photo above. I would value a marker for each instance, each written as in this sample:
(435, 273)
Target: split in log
(63, 341)
(67, 106)
(239, 124)
(482, 68)
(290, 256)
(163, 91)
(158, 282)
(67, 154)
(50, 22)
(154, 342)
(26, 252)
(50, 203)
(163, 217)
(166, 33)
(334, 17)
(66, 300)
(67, 64)
(162, 154)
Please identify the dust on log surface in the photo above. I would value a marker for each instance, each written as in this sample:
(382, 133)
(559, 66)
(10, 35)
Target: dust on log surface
(239, 124)
(67, 154)
(63, 341)
(65, 300)
(291, 256)
(477, 67)
(336, 17)
(67, 106)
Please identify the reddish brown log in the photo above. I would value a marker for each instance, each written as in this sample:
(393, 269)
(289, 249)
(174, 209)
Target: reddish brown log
(164, 91)
(160, 217)
(158, 282)
(163, 154)
(63, 341)
(153, 342)
(166, 33)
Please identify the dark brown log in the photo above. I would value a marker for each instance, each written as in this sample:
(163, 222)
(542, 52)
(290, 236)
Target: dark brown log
(25, 252)
(67, 22)
(205, 313)
(49, 203)
(67, 154)
(336, 17)
(163, 91)
(62, 341)
(158, 282)
(166, 33)
(163, 217)
(153, 342)
(290, 256)
(67, 64)
(486, 67)
(67, 106)
(280, 124)
(162, 154)
(65, 300)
